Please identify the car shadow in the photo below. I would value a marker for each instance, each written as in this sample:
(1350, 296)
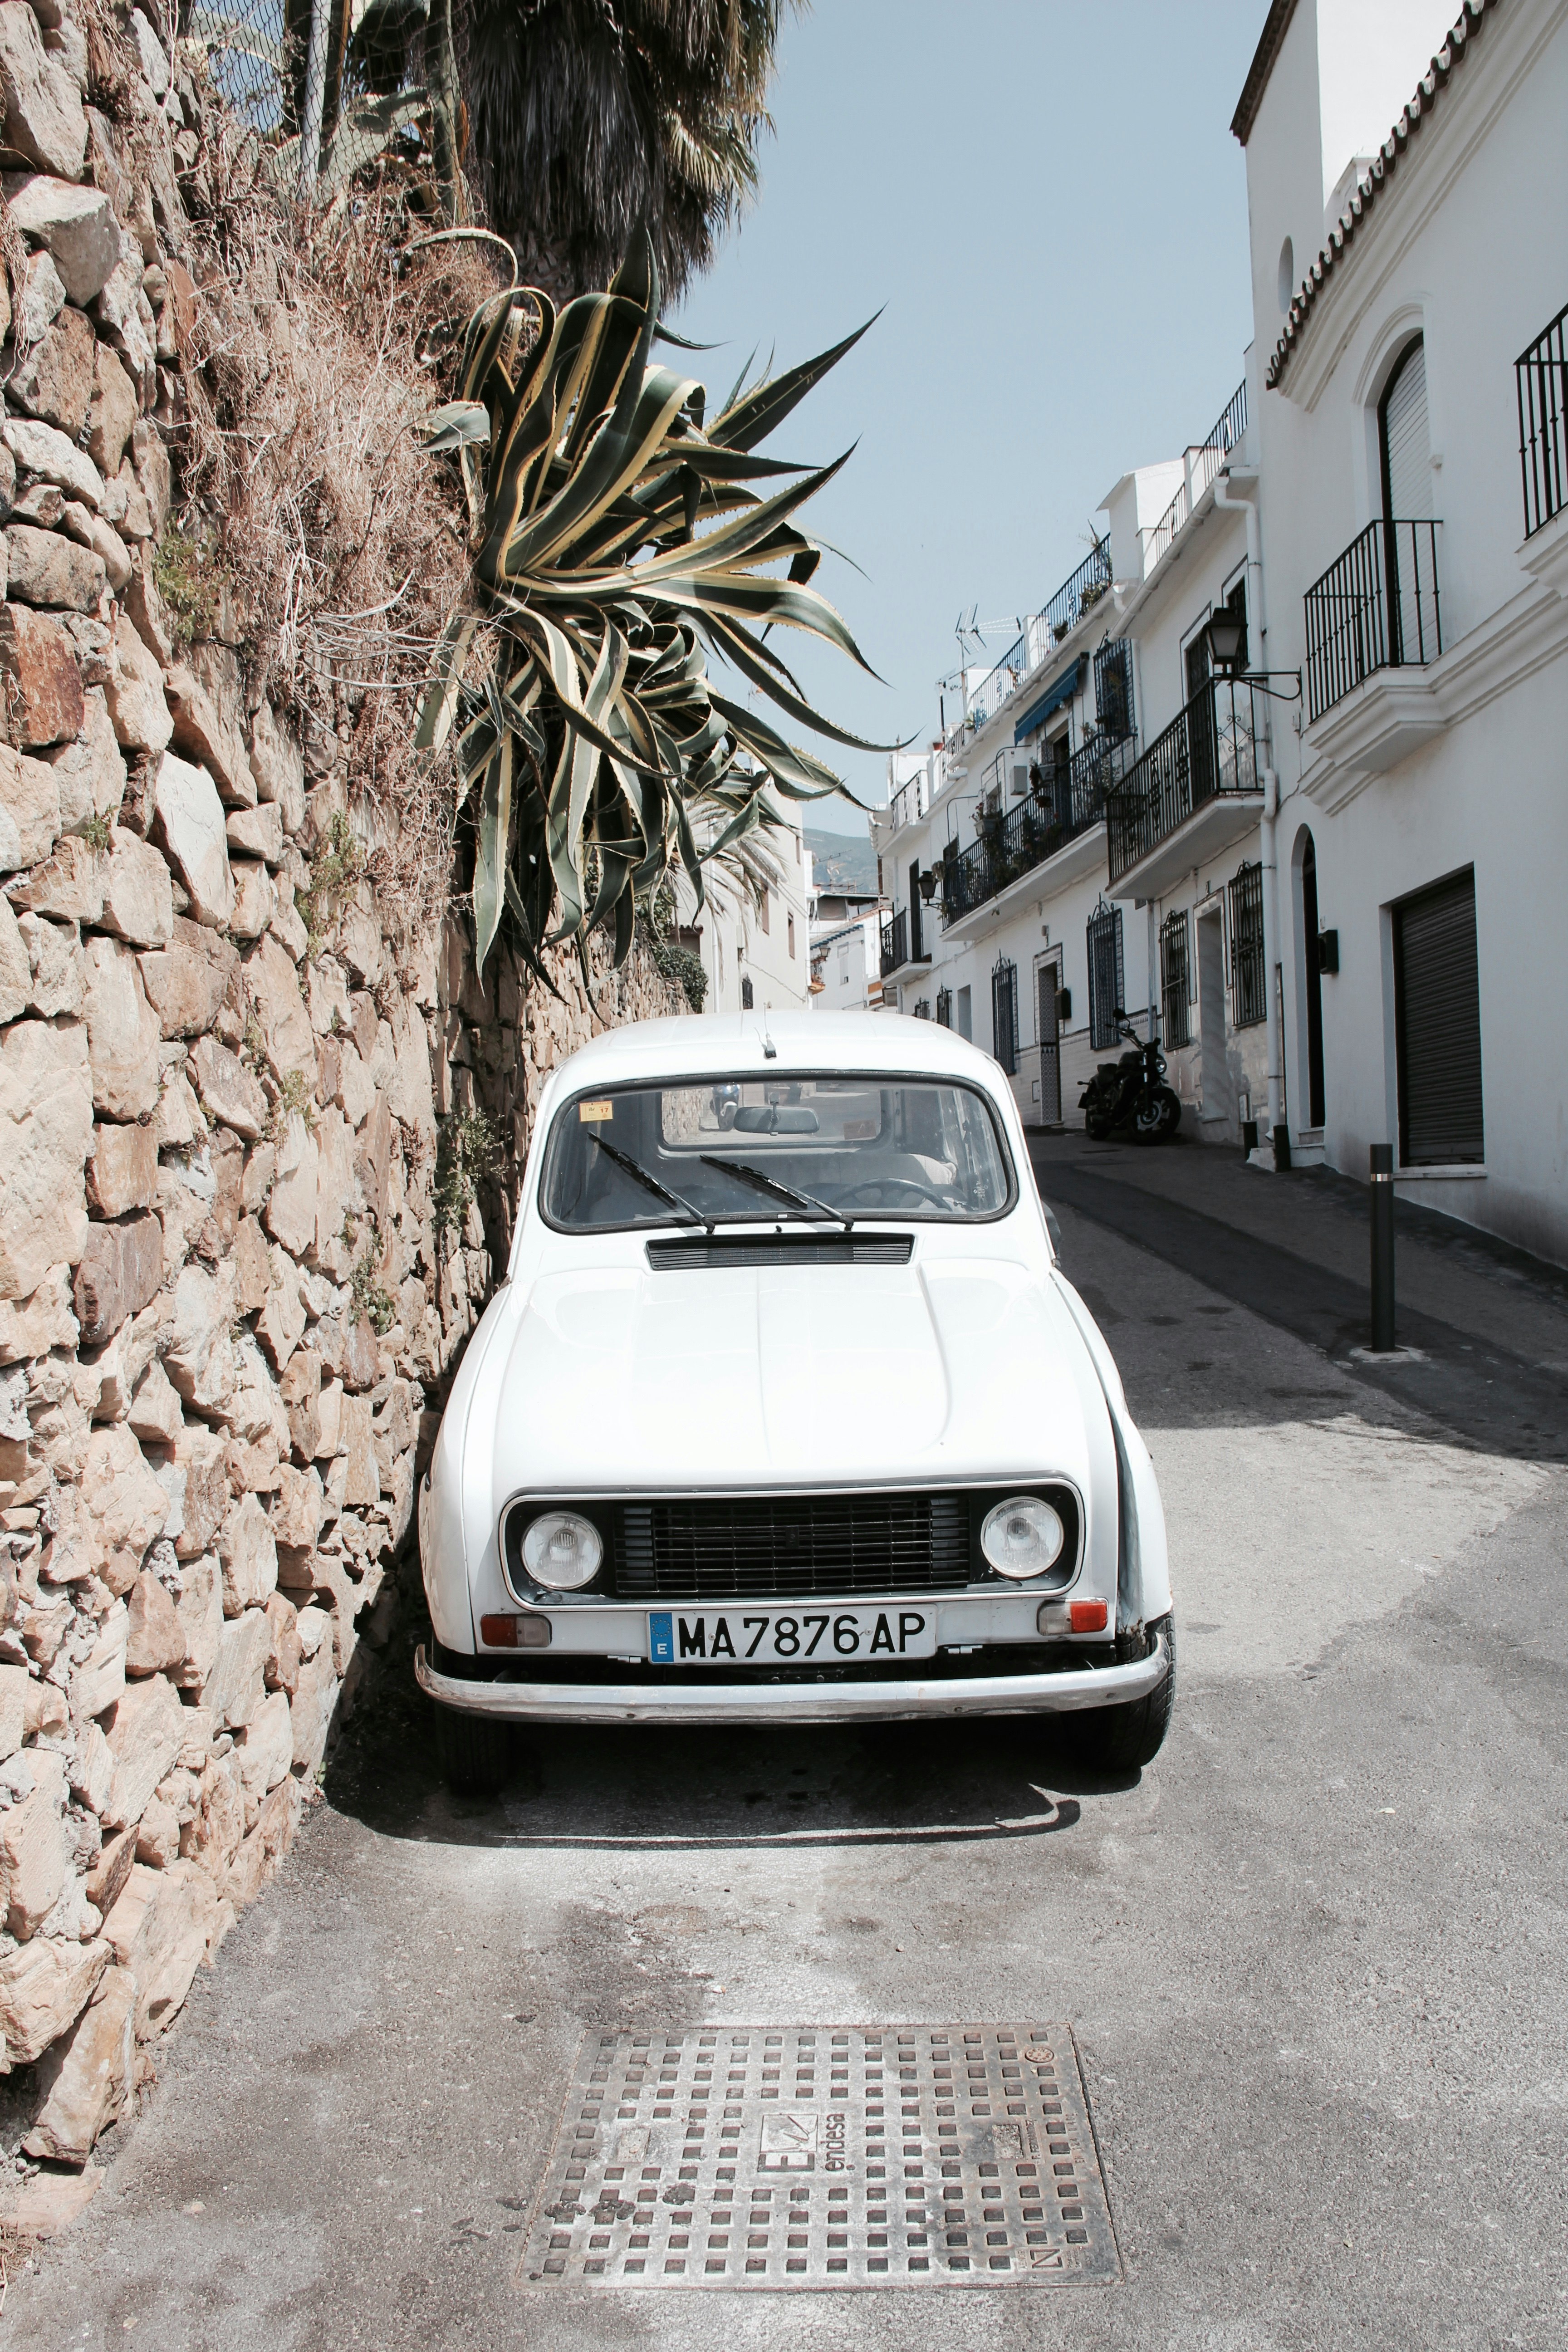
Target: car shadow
(988, 1779)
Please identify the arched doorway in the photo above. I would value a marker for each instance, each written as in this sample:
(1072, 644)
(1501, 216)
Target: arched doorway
(1310, 924)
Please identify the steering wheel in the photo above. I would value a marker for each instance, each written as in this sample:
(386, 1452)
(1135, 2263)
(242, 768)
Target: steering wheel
(889, 1184)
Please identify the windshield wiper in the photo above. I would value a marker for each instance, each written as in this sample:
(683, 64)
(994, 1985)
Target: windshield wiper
(635, 1168)
(781, 1192)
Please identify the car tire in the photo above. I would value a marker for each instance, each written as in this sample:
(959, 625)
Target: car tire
(1125, 1739)
(475, 1752)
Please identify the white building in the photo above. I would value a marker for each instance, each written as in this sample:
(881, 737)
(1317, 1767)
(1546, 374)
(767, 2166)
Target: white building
(1335, 882)
(756, 951)
(1409, 230)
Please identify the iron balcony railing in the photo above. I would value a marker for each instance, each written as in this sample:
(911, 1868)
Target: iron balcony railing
(1201, 464)
(1541, 374)
(895, 941)
(1218, 744)
(1062, 803)
(1376, 607)
(1042, 632)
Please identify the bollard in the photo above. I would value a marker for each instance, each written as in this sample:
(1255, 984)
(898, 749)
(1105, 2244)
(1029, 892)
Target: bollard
(1382, 1189)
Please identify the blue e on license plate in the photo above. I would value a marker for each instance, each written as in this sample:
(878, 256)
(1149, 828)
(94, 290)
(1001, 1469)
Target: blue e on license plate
(787, 1637)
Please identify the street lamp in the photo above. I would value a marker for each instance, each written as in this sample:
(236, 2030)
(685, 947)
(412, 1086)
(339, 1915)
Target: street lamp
(1226, 634)
(929, 881)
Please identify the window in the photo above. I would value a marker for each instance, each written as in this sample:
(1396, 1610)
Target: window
(1004, 1014)
(922, 1008)
(765, 910)
(1114, 689)
(1248, 991)
(1105, 976)
(747, 997)
(1285, 290)
(1175, 979)
(917, 947)
(944, 1008)
(689, 1154)
(1404, 447)
(1437, 1025)
(792, 935)
(965, 1014)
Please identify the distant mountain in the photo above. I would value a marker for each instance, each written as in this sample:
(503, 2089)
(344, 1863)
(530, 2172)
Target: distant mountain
(840, 862)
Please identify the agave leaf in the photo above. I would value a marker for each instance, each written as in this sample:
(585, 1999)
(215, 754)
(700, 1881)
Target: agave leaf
(490, 862)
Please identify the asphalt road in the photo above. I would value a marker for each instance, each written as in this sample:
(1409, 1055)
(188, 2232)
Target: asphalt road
(1314, 1958)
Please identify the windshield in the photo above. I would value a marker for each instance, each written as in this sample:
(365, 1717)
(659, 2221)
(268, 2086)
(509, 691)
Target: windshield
(805, 1151)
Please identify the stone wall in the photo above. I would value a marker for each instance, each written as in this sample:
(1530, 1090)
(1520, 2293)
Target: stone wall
(227, 1317)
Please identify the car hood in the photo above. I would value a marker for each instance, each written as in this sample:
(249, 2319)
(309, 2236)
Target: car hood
(624, 1378)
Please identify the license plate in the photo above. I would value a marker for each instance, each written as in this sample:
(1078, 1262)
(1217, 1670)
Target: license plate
(787, 1637)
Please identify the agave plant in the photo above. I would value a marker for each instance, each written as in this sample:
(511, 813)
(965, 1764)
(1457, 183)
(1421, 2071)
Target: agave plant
(617, 542)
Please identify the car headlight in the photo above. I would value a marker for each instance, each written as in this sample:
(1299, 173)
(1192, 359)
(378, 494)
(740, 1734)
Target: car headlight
(562, 1552)
(1022, 1536)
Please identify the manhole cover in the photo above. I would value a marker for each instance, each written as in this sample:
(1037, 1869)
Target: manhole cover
(821, 2157)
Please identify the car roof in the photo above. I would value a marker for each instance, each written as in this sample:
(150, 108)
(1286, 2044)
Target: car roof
(736, 1044)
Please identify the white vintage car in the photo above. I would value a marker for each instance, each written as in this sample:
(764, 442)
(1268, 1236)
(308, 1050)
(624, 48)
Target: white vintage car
(786, 1413)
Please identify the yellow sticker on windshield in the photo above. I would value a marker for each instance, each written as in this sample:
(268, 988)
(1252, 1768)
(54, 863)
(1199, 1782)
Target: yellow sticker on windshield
(593, 1110)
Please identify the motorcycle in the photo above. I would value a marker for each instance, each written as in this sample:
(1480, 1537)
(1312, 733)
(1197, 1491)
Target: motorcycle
(1130, 1092)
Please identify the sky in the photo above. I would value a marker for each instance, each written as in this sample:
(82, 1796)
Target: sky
(1045, 202)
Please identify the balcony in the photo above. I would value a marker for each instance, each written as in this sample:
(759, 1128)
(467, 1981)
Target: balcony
(1541, 374)
(1374, 623)
(1201, 464)
(1042, 632)
(1065, 805)
(1197, 789)
(903, 941)
(1376, 607)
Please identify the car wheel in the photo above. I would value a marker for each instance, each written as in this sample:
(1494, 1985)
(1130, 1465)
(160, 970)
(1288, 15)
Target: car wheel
(475, 1752)
(1125, 1739)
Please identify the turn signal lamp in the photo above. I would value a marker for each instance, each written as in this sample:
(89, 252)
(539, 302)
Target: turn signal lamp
(515, 1633)
(1089, 1616)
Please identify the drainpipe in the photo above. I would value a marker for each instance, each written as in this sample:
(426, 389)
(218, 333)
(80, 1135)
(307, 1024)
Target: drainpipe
(1268, 849)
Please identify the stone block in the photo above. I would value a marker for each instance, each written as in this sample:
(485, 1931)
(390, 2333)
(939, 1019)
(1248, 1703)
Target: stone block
(253, 1267)
(45, 1133)
(45, 2205)
(145, 1735)
(292, 1206)
(68, 886)
(187, 981)
(255, 899)
(44, 119)
(86, 2077)
(264, 1849)
(290, 1040)
(297, 1513)
(35, 1860)
(188, 817)
(122, 1033)
(256, 832)
(248, 1549)
(228, 1091)
(280, 1325)
(200, 1611)
(124, 1506)
(234, 1690)
(155, 1639)
(158, 1836)
(105, 1881)
(57, 969)
(277, 766)
(265, 1746)
(38, 664)
(123, 1171)
(89, 772)
(54, 380)
(16, 968)
(134, 695)
(362, 1482)
(41, 449)
(284, 1658)
(158, 1930)
(29, 810)
(43, 295)
(206, 737)
(112, 412)
(198, 1353)
(41, 1319)
(138, 897)
(97, 1684)
(44, 1984)
(121, 1268)
(76, 225)
(311, 1709)
(45, 567)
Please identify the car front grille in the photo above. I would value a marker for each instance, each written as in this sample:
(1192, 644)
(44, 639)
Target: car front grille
(743, 1548)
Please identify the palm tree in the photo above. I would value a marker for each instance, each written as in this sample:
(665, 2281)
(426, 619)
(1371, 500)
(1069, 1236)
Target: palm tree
(586, 114)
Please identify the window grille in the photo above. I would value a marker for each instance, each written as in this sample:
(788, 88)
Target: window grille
(747, 999)
(1004, 1014)
(1175, 979)
(1113, 689)
(1105, 975)
(922, 1008)
(1248, 980)
(944, 1008)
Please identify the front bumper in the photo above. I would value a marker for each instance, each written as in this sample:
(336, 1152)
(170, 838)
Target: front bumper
(803, 1702)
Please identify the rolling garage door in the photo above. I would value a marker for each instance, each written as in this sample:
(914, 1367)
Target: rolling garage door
(1437, 1016)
